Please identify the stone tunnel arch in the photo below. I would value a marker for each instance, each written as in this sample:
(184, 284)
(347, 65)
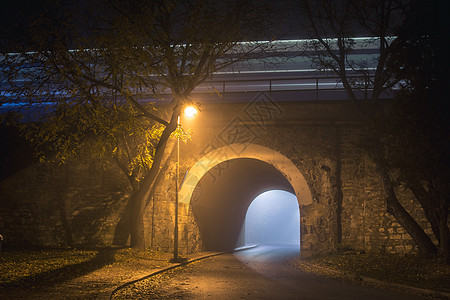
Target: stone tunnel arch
(281, 174)
(246, 150)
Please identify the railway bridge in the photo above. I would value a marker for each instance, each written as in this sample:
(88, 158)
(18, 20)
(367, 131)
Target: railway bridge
(299, 135)
(285, 127)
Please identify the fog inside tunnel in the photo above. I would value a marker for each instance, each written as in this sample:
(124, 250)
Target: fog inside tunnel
(273, 217)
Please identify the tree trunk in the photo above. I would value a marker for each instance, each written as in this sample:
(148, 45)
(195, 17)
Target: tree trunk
(61, 191)
(429, 206)
(426, 246)
(339, 194)
(444, 231)
(68, 233)
(139, 201)
(137, 238)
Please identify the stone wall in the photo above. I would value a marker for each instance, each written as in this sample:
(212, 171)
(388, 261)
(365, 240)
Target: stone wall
(366, 224)
(46, 205)
(85, 201)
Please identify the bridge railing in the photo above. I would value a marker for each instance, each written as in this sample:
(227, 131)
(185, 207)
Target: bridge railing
(283, 83)
(313, 85)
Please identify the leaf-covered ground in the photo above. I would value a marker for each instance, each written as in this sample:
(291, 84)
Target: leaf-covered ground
(409, 270)
(90, 273)
(20, 266)
(45, 268)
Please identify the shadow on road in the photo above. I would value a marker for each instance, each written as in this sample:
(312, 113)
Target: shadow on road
(104, 257)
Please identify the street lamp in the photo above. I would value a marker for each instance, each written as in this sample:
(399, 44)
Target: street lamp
(189, 112)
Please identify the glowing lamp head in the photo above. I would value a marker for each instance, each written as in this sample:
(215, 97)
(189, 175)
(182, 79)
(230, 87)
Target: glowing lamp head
(190, 112)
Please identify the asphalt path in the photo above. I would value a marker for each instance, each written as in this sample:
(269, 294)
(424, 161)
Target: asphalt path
(263, 272)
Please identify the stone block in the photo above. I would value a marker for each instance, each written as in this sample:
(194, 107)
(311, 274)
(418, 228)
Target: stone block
(406, 237)
(399, 248)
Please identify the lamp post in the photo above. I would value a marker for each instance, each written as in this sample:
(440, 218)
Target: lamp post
(189, 112)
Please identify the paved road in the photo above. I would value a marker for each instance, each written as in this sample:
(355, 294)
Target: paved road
(259, 273)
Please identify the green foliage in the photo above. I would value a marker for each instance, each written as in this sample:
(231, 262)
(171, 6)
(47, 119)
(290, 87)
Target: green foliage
(83, 81)
(86, 76)
(182, 134)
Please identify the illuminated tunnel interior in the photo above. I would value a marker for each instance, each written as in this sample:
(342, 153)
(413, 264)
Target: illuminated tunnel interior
(224, 194)
(273, 218)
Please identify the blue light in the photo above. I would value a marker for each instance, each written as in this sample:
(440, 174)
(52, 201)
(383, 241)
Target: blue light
(273, 218)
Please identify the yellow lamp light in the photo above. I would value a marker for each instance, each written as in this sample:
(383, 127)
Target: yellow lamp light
(190, 112)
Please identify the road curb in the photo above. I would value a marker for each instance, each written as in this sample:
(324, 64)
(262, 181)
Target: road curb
(373, 281)
(175, 265)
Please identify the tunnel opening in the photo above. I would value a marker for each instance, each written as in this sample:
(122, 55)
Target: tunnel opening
(273, 218)
(224, 194)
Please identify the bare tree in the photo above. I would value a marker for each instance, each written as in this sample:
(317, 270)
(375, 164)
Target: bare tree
(334, 26)
(415, 128)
